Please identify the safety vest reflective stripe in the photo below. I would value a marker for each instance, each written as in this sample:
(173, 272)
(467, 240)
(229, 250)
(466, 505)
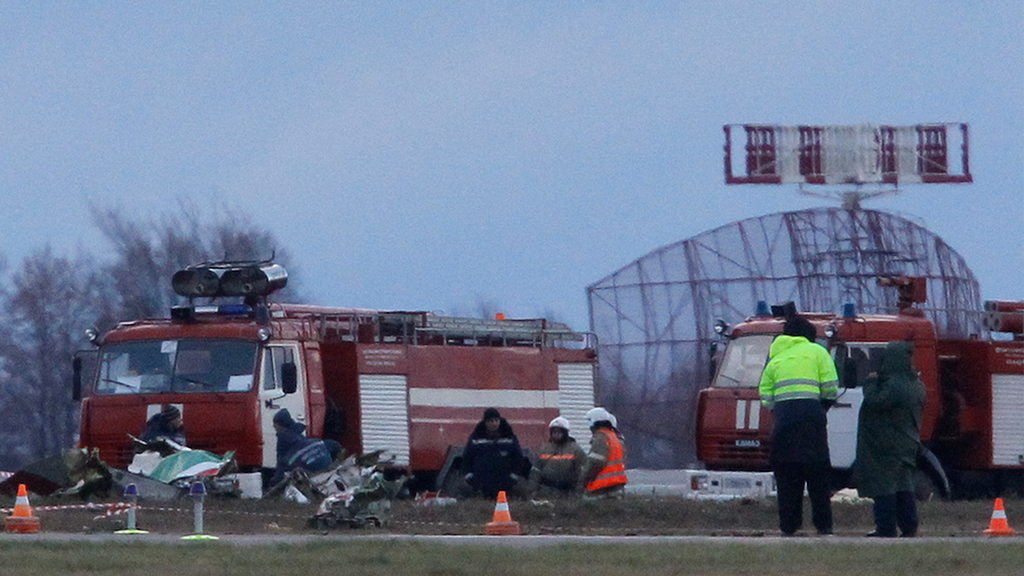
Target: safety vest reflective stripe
(614, 472)
(557, 456)
(830, 390)
(802, 389)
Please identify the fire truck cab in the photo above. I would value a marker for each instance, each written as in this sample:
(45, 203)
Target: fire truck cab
(972, 426)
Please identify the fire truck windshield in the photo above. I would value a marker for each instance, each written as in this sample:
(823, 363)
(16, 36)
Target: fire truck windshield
(176, 366)
(743, 362)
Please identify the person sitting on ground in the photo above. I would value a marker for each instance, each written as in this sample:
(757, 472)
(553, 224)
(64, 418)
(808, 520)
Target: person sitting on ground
(295, 450)
(165, 425)
(605, 471)
(559, 462)
(492, 460)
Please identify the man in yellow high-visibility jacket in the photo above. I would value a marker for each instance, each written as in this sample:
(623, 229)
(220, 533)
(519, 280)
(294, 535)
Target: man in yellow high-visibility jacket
(799, 385)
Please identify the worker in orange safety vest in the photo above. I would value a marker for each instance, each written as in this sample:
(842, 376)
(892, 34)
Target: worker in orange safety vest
(605, 472)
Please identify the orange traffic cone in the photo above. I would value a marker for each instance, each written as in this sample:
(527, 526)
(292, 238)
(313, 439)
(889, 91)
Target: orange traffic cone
(502, 522)
(22, 521)
(998, 526)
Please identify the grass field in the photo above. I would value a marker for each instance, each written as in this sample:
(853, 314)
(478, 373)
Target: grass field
(395, 558)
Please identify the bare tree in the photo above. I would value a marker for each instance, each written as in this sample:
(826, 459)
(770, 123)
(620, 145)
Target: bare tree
(49, 303)
(148, 253)
(50, 300)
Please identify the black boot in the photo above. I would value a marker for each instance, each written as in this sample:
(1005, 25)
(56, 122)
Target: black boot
(885, 517)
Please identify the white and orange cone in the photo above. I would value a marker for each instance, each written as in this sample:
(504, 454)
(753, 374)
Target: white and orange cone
(502, 523)
(22, 521)
(998, 526)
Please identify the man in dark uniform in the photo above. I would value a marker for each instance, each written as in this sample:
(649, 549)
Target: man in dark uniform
(295, 450)
(493, 460)
(799, 385)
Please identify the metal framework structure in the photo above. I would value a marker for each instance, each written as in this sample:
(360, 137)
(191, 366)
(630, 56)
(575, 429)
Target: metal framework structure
(654, 317)
(851, 163)
(859, 154)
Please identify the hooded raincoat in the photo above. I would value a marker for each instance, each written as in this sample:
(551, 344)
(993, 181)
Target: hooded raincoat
(889, 425)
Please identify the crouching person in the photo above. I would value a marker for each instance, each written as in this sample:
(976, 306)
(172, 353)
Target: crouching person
(166, 425)
(605, 471)
(295, 450)
(492, 460)
(559, 463)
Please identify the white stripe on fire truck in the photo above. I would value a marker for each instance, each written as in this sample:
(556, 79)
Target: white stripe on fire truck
(474, 421)
(467, 398)
(755, 415)
(741, 414)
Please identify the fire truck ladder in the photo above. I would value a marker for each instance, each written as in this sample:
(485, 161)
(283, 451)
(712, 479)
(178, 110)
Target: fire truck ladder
(423, 328)
(477, 331)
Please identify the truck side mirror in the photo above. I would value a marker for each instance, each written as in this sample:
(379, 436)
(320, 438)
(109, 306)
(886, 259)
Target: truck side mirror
(83, 365)
(846, 367)
(713, 361)
(76, 378)
(850, 375)
(289, 378)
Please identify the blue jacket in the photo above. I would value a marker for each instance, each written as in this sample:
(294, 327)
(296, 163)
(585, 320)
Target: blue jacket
(294, 450)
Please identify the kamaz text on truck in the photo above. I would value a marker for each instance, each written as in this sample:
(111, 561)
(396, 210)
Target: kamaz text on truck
(412, 384)
(973, 425)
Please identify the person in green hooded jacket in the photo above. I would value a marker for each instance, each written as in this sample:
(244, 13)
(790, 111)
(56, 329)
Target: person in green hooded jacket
(889, 440)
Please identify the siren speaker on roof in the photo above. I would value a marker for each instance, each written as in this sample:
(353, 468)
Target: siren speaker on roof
(196, 282)
(253, 280)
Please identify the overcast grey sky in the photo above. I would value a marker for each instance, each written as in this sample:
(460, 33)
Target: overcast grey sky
(432, 155)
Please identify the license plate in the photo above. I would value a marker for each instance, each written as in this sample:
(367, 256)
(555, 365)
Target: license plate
(748, 443)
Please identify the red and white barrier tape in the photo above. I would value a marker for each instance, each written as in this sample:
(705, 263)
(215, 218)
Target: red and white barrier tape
(111, 508)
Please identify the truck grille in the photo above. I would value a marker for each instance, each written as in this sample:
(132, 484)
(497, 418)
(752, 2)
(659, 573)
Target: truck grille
(723, 453)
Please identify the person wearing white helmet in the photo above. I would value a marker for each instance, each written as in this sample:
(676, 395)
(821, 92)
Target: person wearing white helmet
(556, 471)
(605, 470)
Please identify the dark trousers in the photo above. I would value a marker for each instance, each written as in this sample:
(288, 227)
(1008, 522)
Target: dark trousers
(892, 510)
(790, 478)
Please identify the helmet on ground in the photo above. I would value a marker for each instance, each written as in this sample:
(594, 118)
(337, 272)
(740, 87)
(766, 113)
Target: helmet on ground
(559, 423)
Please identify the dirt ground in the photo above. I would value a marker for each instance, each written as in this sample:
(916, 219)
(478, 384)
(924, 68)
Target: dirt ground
(632, 515)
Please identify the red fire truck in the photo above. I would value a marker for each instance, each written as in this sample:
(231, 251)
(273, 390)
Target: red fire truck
(413, 384)
(974, 416)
